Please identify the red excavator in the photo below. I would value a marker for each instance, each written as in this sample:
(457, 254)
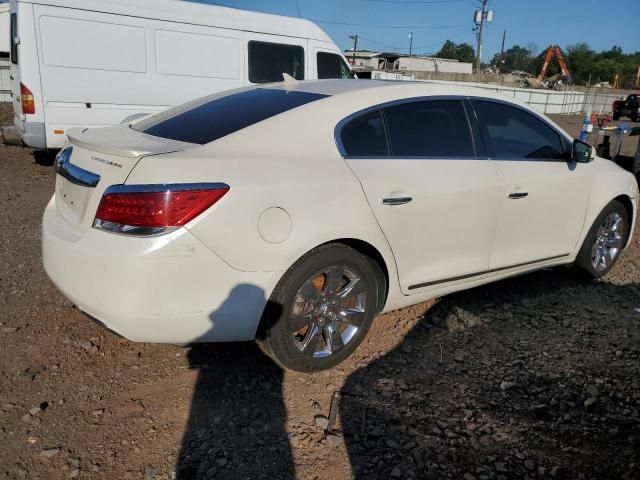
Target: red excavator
(555, 50)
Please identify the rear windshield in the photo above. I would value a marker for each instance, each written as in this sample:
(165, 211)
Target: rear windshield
(206, 121)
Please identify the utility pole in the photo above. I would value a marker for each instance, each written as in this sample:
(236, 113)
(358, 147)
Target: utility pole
(504, 37)
(481, 16)
(410, 44)
(355, 48)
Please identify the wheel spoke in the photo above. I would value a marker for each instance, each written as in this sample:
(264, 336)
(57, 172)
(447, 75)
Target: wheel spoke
(614, 240)
(333, 338)
(310, 338)
(334, 280)
(309, 292)
(351, 316)
(353, 288)
(300, 322)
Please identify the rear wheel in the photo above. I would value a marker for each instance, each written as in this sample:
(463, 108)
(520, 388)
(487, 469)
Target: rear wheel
(326, 303)
(605, 241)
(616, 116)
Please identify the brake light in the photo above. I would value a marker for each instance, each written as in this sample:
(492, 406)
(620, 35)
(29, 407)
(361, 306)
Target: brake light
(27, 100)
(149, 210)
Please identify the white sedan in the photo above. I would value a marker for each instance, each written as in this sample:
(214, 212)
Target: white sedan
(293, 214)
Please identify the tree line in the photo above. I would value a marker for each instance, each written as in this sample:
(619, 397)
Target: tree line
(585, 65)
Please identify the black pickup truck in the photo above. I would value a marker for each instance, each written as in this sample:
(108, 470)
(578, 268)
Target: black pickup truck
(627, 108)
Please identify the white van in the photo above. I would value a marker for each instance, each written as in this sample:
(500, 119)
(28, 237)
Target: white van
(95, 63)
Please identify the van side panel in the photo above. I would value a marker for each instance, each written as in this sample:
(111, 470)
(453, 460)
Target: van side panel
(101, 69)
(27, 72)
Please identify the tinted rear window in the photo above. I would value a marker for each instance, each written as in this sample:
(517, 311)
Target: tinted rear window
(364, 136)
(215, 118)
(436, 128)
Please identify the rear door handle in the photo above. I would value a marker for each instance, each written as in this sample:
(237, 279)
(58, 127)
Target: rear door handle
(517, 195)
(396, 200)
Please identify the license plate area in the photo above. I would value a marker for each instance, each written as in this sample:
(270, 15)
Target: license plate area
(72, 200)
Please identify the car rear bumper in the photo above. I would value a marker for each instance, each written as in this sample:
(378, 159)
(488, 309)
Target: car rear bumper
(33, 134)
(169, 289)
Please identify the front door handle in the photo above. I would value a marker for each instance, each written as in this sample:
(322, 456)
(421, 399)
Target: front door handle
(517, 195)
(396, 200)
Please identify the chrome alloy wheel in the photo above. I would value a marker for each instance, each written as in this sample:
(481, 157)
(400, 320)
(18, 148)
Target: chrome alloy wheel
(328, 311)
(608, 242)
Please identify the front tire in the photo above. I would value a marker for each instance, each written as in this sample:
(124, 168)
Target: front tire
(326, 304)
(605, 241)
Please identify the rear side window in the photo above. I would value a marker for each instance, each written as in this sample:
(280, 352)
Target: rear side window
(14, 34)
(436, 128)
(331, 65)
(513, 133)
(365, 136)
(209, 119)
(268, 61)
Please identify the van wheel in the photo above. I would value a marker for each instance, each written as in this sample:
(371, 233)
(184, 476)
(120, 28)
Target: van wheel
(605, 241)
(326, 304)
(616, 117)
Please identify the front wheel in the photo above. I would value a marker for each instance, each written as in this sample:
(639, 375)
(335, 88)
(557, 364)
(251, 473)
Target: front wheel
(605, 241)
(326, 304)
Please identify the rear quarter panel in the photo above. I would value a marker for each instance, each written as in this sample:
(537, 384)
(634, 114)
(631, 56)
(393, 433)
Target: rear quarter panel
(291, 163)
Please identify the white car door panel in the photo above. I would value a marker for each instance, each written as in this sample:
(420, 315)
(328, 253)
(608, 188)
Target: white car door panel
(438, 211)
(544, 197)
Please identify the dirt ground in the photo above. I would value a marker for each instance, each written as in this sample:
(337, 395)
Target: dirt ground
(533, 377)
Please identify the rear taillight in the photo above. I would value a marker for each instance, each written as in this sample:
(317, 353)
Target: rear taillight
(27, 100)
(154, 209)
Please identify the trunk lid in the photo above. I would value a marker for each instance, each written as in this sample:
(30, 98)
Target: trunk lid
(99, 159)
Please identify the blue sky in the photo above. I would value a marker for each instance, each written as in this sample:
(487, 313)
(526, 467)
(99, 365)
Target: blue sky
(541, 22)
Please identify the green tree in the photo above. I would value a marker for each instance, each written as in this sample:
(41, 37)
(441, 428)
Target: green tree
(515, 58)
(461, 51)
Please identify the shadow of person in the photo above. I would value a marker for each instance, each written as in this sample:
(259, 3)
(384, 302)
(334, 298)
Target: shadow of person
(531, 377)
(236, 425)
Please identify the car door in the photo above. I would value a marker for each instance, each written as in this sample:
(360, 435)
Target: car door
(544, 196)
(435, 199)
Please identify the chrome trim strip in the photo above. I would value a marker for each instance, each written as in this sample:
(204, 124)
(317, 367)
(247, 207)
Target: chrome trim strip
(164, 187)
(493, 270)
(73, 173)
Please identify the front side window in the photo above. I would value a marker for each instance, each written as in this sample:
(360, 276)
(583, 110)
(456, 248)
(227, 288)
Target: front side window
(436, 128)
(512, 133)
(206, 120)
(268, 61)
(331, 65)
(14, 34)
(365, 136)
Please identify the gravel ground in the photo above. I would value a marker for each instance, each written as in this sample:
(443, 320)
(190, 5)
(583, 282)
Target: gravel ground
(534, 377)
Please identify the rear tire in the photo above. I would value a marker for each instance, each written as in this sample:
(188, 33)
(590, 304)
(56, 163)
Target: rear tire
(605, 241)
(326, 303)
(615, 117)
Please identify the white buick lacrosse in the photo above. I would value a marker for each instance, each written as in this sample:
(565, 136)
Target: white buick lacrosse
(294, 213)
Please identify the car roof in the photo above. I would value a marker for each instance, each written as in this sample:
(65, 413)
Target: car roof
(335, 87)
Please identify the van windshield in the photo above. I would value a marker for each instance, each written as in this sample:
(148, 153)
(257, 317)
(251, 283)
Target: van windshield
(209, 119)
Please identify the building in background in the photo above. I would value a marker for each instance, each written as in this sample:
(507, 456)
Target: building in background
(364, 61)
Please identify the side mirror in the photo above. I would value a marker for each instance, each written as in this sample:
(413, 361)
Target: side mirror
(582, 152)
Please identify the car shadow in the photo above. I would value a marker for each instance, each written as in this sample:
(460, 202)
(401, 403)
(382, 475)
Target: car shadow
(45, 158)
(236, 425)
(525, 378)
